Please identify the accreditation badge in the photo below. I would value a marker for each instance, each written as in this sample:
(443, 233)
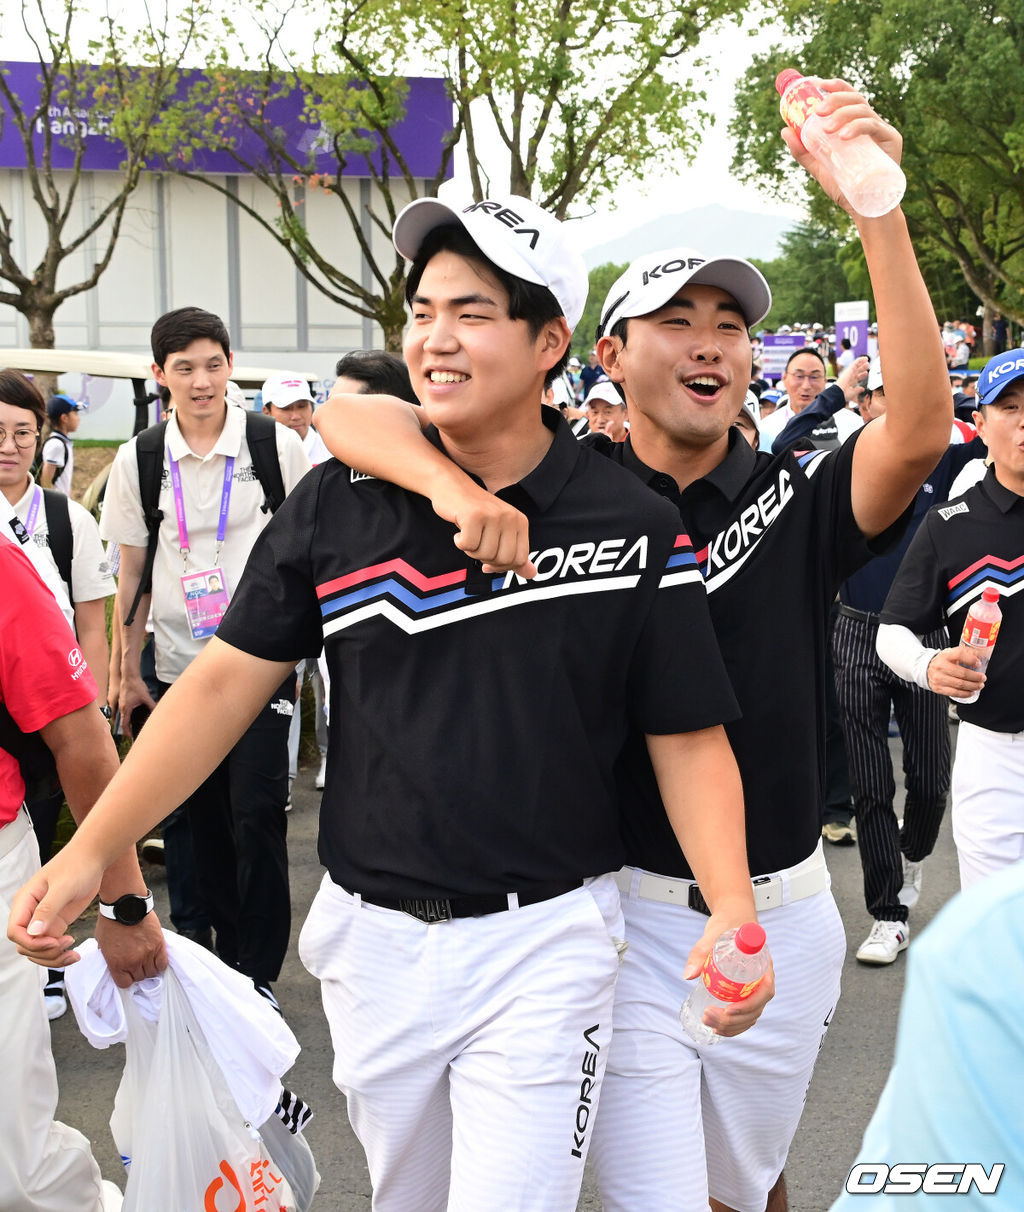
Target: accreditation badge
(206, 600)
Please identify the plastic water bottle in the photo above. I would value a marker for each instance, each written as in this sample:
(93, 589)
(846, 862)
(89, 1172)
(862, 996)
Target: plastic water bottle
(731, 973)
(981, 627)
(872, 182)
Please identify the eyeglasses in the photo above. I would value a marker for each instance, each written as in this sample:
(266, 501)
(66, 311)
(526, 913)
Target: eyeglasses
(23, 438)
(798, 376)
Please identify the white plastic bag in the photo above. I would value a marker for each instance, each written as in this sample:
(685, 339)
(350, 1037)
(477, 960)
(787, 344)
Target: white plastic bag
(181, 1137)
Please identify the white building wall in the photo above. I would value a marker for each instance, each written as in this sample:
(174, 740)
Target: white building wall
(185, 244)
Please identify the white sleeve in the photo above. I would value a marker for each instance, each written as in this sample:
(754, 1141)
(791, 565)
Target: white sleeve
(904, 653)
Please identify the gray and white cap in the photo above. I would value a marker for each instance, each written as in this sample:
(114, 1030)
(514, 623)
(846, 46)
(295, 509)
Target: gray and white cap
(652, 280)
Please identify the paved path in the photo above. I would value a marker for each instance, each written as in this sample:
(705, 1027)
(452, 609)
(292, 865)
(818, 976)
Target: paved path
(848, 1079)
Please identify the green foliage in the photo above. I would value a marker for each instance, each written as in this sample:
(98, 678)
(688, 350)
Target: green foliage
(601, 279)
(92, 83)
(950, 77)
(582, 93)
(808, 277)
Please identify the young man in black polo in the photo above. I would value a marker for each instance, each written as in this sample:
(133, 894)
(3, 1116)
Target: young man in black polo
(680, 1124)
(962, 548)
(466, 939)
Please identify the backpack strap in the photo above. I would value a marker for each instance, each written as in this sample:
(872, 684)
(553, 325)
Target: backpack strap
(65, 443)
(261, 438)
(59, 535)
(149, 453)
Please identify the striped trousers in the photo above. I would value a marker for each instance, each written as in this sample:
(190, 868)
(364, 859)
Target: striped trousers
(866, 687)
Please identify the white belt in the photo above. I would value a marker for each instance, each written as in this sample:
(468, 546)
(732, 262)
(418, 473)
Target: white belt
(770, 891)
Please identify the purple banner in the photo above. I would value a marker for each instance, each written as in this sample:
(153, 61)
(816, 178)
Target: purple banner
(419, 136)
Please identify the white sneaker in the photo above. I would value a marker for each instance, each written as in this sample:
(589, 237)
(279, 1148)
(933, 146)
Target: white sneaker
(911, 890)
(884, 943)
(321, 774)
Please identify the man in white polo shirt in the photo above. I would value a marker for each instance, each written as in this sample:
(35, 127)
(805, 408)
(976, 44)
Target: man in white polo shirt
(213, 508)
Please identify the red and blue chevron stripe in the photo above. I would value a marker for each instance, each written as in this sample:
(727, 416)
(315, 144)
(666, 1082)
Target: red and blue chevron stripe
(1007, 575)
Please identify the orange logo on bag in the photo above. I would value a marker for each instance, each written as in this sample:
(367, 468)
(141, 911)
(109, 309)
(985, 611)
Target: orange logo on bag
(210, 1200)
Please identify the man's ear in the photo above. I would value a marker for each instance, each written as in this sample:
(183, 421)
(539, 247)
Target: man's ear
(609, 351)
(553, 341)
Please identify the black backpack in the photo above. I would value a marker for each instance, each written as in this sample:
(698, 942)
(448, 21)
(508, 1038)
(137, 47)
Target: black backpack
(37, 463)
(260, 437)
(60, 537)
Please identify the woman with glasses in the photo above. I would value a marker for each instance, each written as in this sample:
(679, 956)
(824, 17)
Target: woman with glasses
(55, 524)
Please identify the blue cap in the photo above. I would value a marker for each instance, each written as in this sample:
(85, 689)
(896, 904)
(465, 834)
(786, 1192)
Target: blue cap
(999, 373)
(59, 404)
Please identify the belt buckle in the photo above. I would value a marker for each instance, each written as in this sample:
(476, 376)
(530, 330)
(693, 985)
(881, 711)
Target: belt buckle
(695, 900)
(428, 910)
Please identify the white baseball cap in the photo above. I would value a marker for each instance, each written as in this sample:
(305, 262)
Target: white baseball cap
(605, 389)
(874, 375)
(653, 279)
(286, 388)
(515, 233)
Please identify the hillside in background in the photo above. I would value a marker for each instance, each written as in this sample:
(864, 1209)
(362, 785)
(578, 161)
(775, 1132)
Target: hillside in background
(713, 230)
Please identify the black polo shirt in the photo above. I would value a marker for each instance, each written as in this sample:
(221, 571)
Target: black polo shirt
(867, 589)
(475, 719)
(775, 536)
(961, 547)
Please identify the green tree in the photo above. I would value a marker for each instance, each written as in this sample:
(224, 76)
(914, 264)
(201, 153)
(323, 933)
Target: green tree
(808, 277)
(355, 109)
(577, 97)
(581, 94)
(950, 76)
(78, 101)
(601, 279)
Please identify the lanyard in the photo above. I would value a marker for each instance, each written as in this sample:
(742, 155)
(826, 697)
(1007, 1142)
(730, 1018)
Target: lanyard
(179, 505)
(33, 510)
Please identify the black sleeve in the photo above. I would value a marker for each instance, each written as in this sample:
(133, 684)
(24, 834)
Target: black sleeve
(846, 549)
(964, 453)
(677, 680)
(274, 613)
(916, 598)
(825, 405)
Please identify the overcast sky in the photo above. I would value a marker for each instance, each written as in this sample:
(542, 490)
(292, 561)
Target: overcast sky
(707, 180)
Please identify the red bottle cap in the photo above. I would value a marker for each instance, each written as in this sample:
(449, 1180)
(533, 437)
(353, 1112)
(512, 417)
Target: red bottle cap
(750, 938)
(990, 593)
(785, 78)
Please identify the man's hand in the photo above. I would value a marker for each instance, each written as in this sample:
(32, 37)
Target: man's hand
(489, 530)
(844, 114)
(132, 952)
(850, 379)
(133, 693)
(946, 675)
(738, 1017)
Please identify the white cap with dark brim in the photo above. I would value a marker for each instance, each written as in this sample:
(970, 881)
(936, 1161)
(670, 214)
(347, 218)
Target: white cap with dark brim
(516, 234)
(652, 280)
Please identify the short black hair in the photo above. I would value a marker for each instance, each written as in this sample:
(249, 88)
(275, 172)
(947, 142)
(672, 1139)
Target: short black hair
(21, 392)
(526, 300)
(176, 330)
(381, 373)
(807, 349)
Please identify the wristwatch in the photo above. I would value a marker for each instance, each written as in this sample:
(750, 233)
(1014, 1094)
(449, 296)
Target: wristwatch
(129, 909)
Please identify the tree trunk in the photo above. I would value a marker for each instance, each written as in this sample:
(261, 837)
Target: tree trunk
(40, 336)
(988, 337)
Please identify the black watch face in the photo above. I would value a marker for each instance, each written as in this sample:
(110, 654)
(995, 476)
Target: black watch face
(130, 910)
